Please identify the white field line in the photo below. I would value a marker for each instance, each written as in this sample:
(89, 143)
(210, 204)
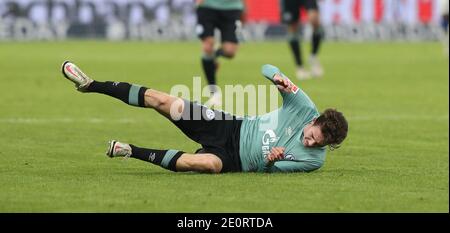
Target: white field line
(20, 120)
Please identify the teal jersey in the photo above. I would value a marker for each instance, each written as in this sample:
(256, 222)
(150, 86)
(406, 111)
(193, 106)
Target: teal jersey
(280, 128)
(223, 4)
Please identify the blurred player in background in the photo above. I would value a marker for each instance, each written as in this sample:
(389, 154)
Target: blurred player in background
(290, 15)
(444, 19)
(224, 15)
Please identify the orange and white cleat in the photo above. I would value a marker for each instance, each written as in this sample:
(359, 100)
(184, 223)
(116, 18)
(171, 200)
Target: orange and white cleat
(74, 74)
(118, 149)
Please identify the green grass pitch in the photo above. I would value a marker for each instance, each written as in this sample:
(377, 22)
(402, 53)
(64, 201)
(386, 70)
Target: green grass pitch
(53, 138)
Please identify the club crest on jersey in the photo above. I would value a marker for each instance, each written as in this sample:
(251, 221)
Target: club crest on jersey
(210, 114)
(289, 157)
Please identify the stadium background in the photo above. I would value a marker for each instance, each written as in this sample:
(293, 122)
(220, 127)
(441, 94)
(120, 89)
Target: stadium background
(175, 19)
(384, 68)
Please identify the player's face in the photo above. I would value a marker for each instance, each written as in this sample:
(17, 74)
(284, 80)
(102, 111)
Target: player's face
(312, 136)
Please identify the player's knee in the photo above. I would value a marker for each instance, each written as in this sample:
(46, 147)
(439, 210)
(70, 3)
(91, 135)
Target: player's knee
(208, 51)
(208, 47)
(314, 20)
(229, 51)
(293, 28)
(315, 24)
(156, 100)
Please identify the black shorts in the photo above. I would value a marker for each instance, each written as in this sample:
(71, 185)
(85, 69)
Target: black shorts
(227, 21)
(290, 9)
(218, 133)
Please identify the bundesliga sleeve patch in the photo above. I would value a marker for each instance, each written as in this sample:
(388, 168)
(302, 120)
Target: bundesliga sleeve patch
(294, 88)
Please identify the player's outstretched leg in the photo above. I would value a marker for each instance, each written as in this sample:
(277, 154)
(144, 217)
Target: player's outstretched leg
(129, 93)
(317, 37)
(294, 44)
(173, 160)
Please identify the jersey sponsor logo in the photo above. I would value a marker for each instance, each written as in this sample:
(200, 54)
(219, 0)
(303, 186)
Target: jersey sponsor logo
(268, 137)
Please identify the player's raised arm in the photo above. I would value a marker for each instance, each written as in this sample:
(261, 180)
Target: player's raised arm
(293, 96)
(287, 88)
(279, 79)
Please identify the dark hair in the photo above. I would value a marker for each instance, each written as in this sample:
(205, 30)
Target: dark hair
(334, 127)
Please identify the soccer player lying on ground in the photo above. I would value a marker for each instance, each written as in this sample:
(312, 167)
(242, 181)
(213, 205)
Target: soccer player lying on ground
(296, 143)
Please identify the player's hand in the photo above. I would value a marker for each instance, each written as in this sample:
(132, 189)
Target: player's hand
(198, 2)
(276, 153)
(283, 84)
